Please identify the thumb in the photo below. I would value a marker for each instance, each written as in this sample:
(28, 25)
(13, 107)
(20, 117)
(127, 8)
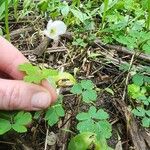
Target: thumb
(15, 95)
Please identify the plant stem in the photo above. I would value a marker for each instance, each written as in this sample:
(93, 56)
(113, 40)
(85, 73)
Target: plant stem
(15, 8)
(148, 18)
(105, 10)
(76, 3)
(6, 21)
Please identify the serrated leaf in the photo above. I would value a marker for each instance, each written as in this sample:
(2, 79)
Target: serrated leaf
(147, 79)
(104, 128)
(101, 114)
(92, 111)
(19, 128)
(146, 122)
(53, 120)
(76, 89)
(59, 110)
(148, 112)
(23, 118)
(54, 113)
(138, 79)
(89, 95)
(28, 68)
(87, 84)
(86, 125)
(83, 116)
(5, 126)
(139, 111)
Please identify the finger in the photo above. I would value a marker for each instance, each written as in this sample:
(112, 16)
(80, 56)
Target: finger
(16, 95)
(10, 58)
(48, 86)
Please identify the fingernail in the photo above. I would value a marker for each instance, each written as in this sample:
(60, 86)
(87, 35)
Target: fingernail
(41, 100)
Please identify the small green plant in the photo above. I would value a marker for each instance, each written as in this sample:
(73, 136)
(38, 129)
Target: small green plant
(34, 74)
(79, 42)
(139, 92)
(143, 114)
(87, 140)
(94, 121)
(86, 90)
(17, 122)
(54, 112)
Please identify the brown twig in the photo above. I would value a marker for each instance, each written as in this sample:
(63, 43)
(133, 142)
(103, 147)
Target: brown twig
(123, 50)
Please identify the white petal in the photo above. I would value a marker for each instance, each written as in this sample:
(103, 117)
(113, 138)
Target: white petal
(59, 26)
(51, 36)
(48, 27)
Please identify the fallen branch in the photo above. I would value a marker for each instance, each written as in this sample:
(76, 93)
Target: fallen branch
(122, 49)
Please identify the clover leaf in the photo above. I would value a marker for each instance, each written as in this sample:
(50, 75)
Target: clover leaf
(86, 89)
(94, 121)
(54, 112)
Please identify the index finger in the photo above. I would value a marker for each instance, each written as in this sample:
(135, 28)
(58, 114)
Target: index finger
(10, 58)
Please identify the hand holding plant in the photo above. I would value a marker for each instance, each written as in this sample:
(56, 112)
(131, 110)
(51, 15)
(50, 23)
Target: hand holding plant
(16, 94)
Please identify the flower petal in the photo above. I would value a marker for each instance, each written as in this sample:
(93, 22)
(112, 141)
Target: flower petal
(59, 26)
(51, 36)
(48, 27)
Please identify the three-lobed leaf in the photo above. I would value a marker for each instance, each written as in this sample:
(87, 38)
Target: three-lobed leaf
(54, 113)
(86, 89)
(5, 126)
(94, 121)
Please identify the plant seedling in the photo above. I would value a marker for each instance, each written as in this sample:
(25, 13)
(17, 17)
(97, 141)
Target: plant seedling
(86, 89)
(87, 140)
(94, 121)
(17, 122)
(54, 112)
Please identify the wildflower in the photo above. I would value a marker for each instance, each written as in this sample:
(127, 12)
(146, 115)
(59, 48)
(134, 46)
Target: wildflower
(55, 29)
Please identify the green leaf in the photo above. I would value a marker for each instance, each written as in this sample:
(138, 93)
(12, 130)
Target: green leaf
(89, 95)
(87, 84)
(148, 112)
(109, 90)
(101, 114)
(146, 122)
(76, 89)
(83, 116)
(5, 126)
(92, 111)
(104, 128)
(23, 118)
(35, 75)
(94, 121)
(59, 110)
(65, 9)
(86, 125)
(139, 111)
(54, 113)
(53, 120)
(84, 141)
(79, 15)
(134, 91)
(19, 128)
(138, 79)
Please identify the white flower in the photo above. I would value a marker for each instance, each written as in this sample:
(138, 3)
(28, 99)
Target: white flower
(55, 29)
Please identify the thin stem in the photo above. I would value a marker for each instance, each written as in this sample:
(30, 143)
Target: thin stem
(6, 21)
(148, 18)
(106, 2)
(15, 8)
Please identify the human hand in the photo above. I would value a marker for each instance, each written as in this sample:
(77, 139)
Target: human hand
(16, 94)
